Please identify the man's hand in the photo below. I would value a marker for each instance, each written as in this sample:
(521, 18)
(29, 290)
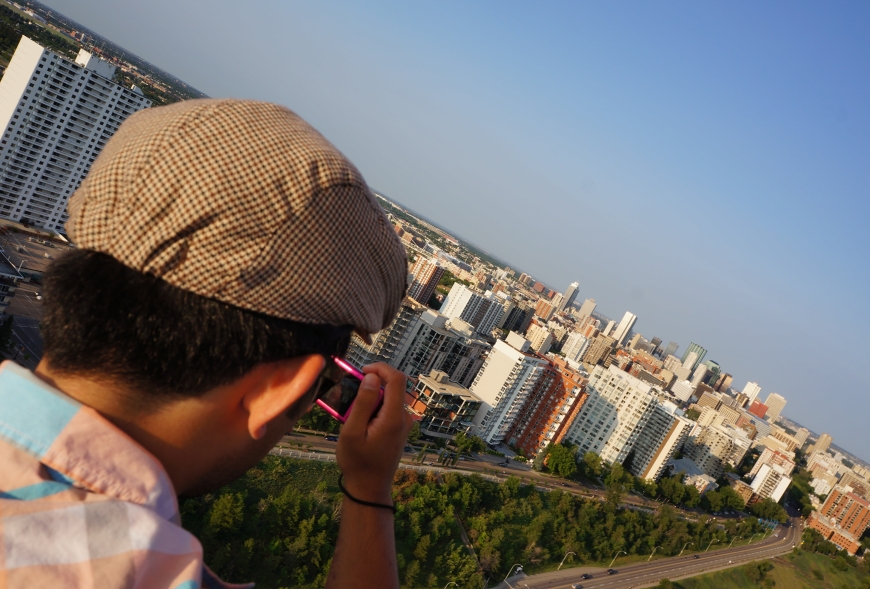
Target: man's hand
(369, 448)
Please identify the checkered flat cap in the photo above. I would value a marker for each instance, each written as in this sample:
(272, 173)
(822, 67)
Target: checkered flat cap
(245, 203)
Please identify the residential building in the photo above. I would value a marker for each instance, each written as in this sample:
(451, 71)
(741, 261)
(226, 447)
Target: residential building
(790, 442)
(599, 349)
(544, 309)
(389, 340)
(505, 381)
(692, 475)
(479, 309)
(624, 327)
(540, 338)
(550, 409)
(446, 408)
(425, 274)
(569, 297)
(751, 390)
(622, 414)
(780, 458)
(575, 346)
(714, 446)
(682, 390)
(699, 354)
(758, 409)
(802, 435)
(842, 519)
(775, 404)
(770, 482)
(57, 116)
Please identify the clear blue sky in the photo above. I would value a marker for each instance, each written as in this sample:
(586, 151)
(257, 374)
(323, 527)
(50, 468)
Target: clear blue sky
(703, 166)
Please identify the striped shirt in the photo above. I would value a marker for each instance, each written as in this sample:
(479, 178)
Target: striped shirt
(81, 503)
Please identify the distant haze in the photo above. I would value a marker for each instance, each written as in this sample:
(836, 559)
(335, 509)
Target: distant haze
(702, 165)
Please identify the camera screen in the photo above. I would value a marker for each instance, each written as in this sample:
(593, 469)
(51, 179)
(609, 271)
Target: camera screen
(343, 391)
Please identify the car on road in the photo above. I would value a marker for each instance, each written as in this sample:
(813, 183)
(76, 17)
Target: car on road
(564, 484)
(330, 438)
(409, 449)
(576, 586)
(585, 576)
(695, 556)
(612, 571)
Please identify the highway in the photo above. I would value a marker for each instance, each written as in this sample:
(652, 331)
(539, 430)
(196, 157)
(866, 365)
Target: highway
(649, 574)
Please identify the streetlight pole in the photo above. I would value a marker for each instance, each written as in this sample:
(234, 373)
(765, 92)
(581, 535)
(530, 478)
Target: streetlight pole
(509, 574)
(684, 547)
(751, 539)
(563, 560)
(450, 583)
(615, 555)
(710, 544)
(732, 541)
(653, 552)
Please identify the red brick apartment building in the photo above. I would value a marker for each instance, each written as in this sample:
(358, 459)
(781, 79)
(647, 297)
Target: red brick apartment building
(550, 408)
(842, 519)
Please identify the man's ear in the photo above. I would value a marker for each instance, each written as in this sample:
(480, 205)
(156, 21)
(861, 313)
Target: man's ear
(286, 383)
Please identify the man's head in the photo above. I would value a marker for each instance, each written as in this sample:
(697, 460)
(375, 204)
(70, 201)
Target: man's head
(226, 249)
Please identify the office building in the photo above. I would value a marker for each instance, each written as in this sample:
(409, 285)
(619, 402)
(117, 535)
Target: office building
(624, 327)
(802, 435)
(587, 308)
(751, 390)
(822, 444)
(518, 318)
(425, 274)
(505, 381)
(550, 409)
(57, 116)
(699, 355)
(445, 408)
(699, 376)
(671, 350)
(775, 404)
(569, 297)
(611, 327)
(682, 390)
(758, 409)
(842, 519)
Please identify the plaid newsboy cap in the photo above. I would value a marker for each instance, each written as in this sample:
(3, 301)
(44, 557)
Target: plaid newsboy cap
(245, 203)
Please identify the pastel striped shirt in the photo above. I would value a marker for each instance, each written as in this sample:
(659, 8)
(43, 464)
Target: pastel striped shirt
(81, 504)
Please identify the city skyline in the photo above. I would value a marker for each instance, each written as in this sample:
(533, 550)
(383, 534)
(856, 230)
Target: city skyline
(698, 135)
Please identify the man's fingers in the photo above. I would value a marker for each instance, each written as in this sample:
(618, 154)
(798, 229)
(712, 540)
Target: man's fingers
(365, 404)
(394, 386)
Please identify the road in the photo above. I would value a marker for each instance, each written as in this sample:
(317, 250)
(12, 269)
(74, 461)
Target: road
(649, 574)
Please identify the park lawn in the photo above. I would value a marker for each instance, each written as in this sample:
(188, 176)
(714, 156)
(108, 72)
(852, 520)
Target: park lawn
(794, 571)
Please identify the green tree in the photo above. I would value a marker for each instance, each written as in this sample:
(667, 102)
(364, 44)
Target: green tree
(769, 509)
(693, 414)
(617, 481)
(591, 465)
(562, 460)
(414, 434)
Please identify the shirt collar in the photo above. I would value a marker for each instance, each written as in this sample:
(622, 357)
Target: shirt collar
(80, 444)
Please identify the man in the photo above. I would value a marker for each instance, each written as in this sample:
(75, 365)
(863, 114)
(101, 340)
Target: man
(226, 252)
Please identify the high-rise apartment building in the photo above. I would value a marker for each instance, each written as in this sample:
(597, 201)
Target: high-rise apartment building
(569, 297)
(57, 115)
(540, 339)
(775, 404)
(446, 408)
(481, 310)
(599, 349)
(389, 340)
(575, 346)
(425, 274)
(544, 309)
(623, 413)
(699, 355)
(770, 482)
(508, 376)
(843, 519)
(435, 342)
(770, 456)
(751, 390)
(802, 435)
(624, 327)
(714, 446)
(550, 409)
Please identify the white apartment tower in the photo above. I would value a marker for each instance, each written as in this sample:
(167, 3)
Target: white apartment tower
(587, 308)
(617, 411)
(624, 327)
(57, 115)
(504, 383)
(751, 390)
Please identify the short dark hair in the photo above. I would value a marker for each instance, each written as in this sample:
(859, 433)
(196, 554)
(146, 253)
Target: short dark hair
(105, 320)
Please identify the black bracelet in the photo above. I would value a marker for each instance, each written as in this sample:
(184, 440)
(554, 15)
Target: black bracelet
(360, 501)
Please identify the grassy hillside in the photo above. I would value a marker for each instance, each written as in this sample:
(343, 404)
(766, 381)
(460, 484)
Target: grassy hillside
(801, 570)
